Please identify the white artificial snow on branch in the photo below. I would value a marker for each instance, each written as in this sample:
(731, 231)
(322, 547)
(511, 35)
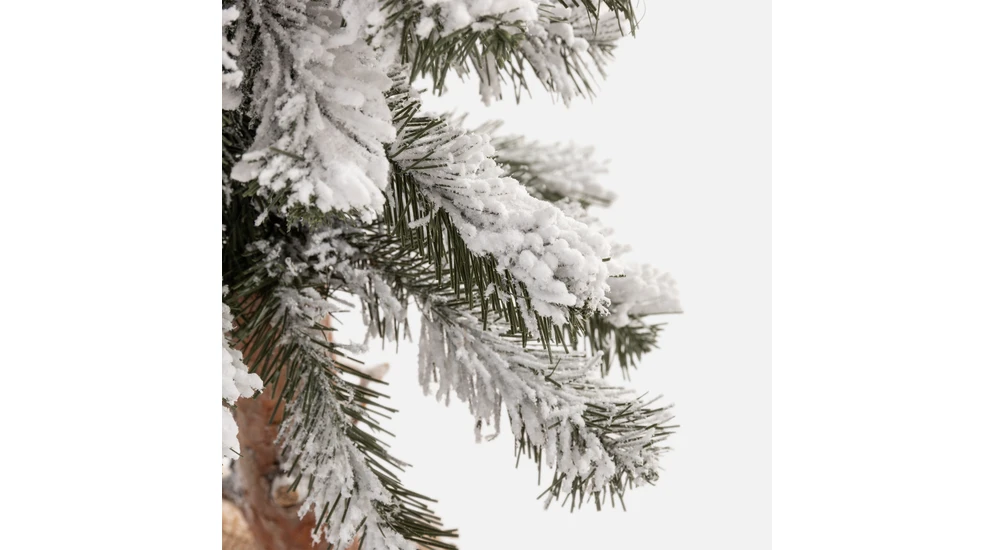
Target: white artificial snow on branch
(328, 252)
(644, 290)
(637, 289)
(318, 95)
(236, 381)
(338, 471)
(545, 401)
(556, 44)
(458, 14)
(548, 402)
(558, 259)
(563, 171)
(231, 75)
(344, 490)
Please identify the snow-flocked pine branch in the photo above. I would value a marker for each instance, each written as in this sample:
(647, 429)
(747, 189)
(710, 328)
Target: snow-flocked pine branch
(508, 42)
(317, 93)
(560, 262)
(552, 172)
(569, 176)
(598, 438)
(231, 75)
(331, 433)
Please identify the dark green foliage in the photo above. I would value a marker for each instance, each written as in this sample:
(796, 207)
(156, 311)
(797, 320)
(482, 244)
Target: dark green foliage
(623, 9)
(239, 207)
(625, 344)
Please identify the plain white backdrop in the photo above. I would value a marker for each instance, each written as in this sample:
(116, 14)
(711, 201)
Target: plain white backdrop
(883, 177)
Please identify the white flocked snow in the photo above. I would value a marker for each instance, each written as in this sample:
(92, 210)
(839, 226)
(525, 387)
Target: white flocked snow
(322, 125)
(645, 290)
(566, 170)
(236, 381)
(560, 260)
(489, 372)
(231, 75)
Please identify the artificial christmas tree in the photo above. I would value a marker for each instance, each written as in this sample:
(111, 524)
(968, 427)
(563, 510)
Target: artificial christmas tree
(337, 187)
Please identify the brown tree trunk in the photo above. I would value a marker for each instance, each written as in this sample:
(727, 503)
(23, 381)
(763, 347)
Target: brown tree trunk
(270, 512)
(235, 532)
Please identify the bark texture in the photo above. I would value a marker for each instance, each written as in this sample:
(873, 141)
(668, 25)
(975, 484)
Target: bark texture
(270, 511)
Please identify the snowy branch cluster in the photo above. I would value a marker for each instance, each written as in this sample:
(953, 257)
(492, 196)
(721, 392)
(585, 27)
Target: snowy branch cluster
(337, 471)
(645, 290)
(497, 39)
(548, 405)
(559, 260)
(318, 94)
(337, 183)
(554, 172)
